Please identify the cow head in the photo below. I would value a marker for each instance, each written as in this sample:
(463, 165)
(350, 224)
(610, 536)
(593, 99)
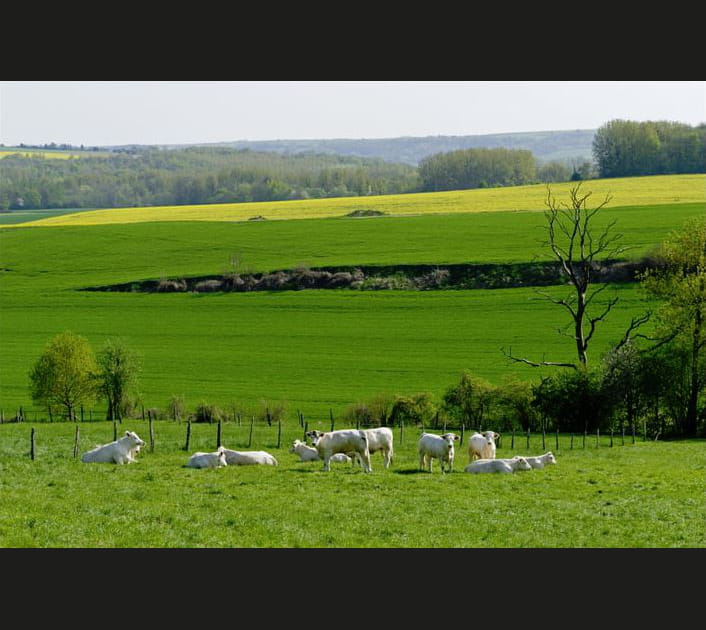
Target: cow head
(450, 438)
(522, 463)
(549, 458)
(134, 439)
(221, 450)
(490, 436)
(314, 436)
(294, 446)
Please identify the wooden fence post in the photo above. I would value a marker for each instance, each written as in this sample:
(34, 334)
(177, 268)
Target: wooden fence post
(544, 446)
(633, 432)
(77, 442)
(557, 438)
(333, 423)
(279, 432)
(151, 432)
(32, 443)
(622, 435)
(598, 437)
(143, 413)
(528, 437)
(644, 430)
(269, 417)
(611, 437)
(188, 435)
(401, 432)
(306, 429)
(115, 430)
(252, 424)
(512, 442)
(219, 433)
(462, 431)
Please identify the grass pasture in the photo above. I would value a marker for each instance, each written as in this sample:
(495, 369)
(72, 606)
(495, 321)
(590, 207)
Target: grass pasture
(649, 494)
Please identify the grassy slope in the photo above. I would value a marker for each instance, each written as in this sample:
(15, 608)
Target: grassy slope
(643, 495)
(314, 349)
(663, 189)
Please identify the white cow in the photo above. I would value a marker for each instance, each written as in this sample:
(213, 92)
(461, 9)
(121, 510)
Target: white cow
(310, 454)
(482, 445)
(379, 439)
(441, 447)
(208, 460)
(247, 458)
(341, 441)
(306, 453)
(540, 461)
(498, 465)
(121, 451)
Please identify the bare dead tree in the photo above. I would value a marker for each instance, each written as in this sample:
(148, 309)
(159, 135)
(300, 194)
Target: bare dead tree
(578, 248)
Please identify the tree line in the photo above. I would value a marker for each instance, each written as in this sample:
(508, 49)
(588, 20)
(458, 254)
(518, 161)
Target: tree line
(625, 148)
(150, 176)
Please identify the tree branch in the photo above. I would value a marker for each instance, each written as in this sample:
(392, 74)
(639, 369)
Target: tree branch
(535, 363)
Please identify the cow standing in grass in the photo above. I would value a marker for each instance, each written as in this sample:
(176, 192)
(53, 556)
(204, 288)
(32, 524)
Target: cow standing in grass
(343, 441)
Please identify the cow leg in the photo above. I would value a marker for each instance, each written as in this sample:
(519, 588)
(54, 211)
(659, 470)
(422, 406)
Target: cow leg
(422, 462)
(366, 462)
(327, 466)
(386, 458)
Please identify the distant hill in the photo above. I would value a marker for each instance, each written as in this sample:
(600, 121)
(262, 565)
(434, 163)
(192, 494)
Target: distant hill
(545, 145)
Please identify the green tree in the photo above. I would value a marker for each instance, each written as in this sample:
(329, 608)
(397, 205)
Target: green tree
(468, 402)
(64, 376)
(680, 281)
(119, 367)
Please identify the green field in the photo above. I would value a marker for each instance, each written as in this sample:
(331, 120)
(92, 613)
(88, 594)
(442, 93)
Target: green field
(647, 494)
(317, 352)
(314, 350)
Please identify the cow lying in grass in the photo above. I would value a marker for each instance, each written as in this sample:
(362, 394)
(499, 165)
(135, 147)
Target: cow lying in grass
(122, 451)
(310, 454)
(498, 465)
(208, 460)
(248, 458)
(540, 461)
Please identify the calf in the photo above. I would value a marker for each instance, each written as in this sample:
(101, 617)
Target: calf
(540, 461)
(482, 445)
(441, 447)
(306, 453)
(341, 441)
(247, 458)
(121, 451)
(208, 460)
(498, 465)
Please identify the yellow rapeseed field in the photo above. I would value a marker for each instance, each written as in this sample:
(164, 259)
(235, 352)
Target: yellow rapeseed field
(634, 191)
(51, 155)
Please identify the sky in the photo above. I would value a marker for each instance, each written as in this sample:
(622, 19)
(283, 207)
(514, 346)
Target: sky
(182, 112)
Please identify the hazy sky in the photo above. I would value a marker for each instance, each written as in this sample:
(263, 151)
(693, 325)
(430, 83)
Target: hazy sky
(172, 112)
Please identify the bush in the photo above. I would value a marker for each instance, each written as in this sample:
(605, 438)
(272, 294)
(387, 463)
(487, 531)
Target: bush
(206, 412)
(171, 286)
(206, 286)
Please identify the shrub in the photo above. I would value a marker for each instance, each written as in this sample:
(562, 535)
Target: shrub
(205, 286)
(171, 286)
(206, 412)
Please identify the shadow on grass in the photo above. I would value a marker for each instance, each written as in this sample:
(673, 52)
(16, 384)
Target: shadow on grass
(411, 471)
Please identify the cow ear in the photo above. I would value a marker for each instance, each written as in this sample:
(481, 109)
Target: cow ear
(456, 437)
(127, 432)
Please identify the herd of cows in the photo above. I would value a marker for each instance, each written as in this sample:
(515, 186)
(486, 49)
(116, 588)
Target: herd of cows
(345, 445)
